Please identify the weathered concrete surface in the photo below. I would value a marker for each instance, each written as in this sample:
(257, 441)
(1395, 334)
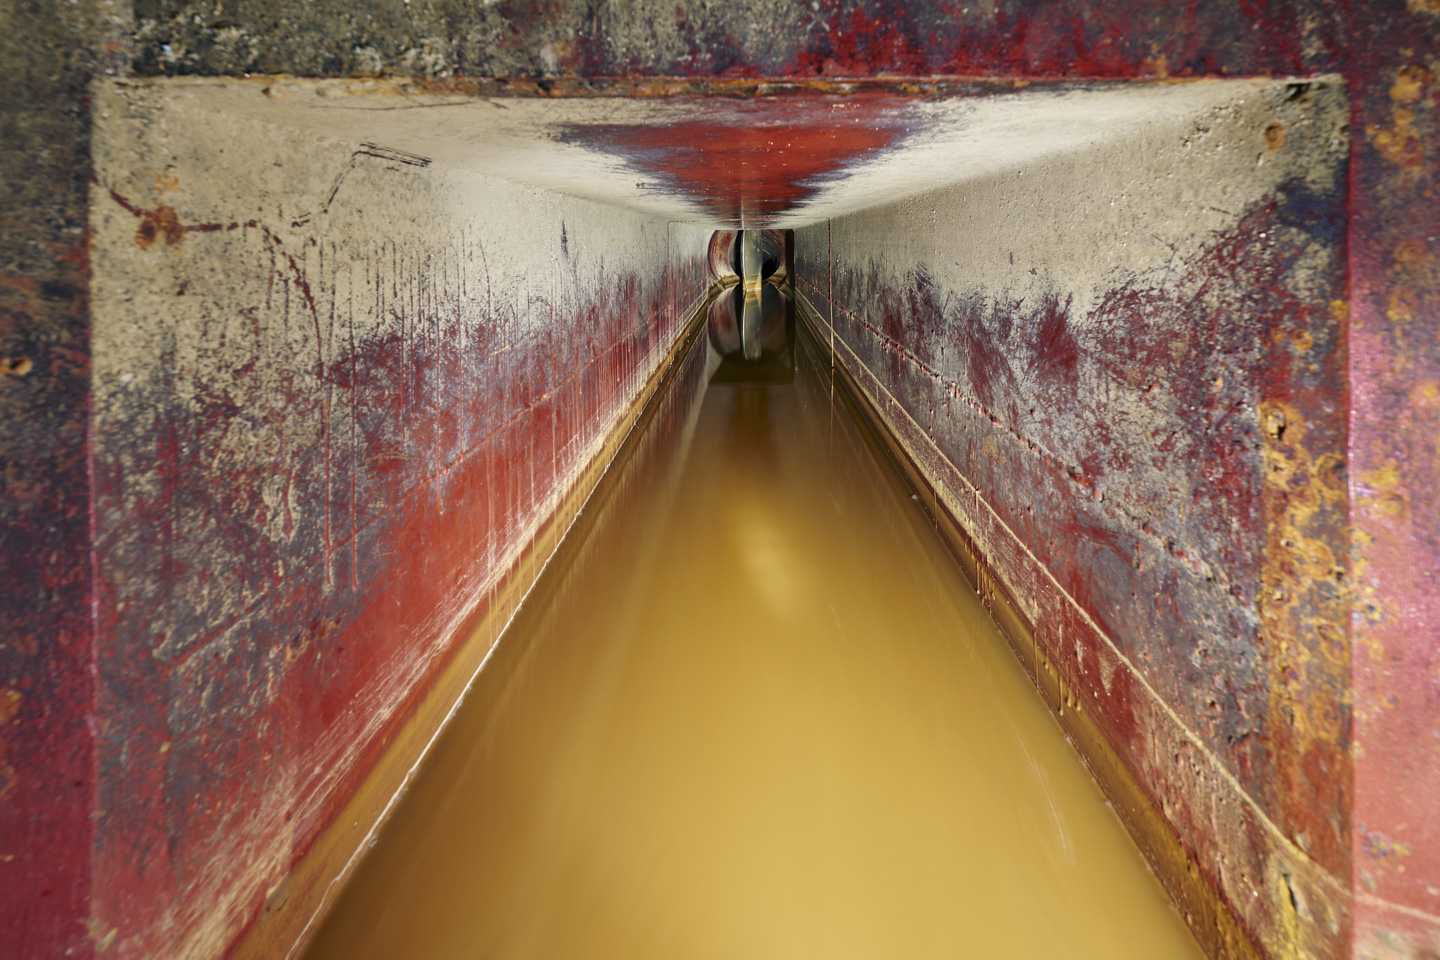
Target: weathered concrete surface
(1387, 52)
(1124, 367)
(1395, 479)
(47, 780)
(696, 38)
(337, 390)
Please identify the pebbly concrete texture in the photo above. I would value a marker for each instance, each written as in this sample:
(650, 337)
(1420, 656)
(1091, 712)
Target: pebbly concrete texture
(439, 38)
(1121, 365)
(1386, 53)
(47, 784)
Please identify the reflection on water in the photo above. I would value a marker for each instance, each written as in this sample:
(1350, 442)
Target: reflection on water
(760, 713)
(753, 336)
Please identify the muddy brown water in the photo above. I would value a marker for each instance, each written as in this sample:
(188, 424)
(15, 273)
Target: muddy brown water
(753, 710)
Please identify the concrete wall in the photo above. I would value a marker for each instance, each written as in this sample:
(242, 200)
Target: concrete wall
(1123, 369)
(336, 394)
(46, 651)
(49, 654)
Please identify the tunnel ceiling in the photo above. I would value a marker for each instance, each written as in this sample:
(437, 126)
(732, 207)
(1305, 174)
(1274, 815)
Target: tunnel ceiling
(756, 156)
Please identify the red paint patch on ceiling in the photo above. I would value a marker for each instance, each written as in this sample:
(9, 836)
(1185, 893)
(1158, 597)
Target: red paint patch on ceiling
(755, 160)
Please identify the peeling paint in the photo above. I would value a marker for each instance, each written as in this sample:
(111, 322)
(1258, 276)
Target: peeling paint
(1386, 313)
(317, 440)
(1165, 438)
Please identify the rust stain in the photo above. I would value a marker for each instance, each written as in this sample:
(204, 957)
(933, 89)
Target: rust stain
(1402, 304)
(1410, 83)
(1413, 270)
(9, 708)
(164, 222)
(160, 222)
(1399, 143)
(9, 705)
(1157, 66)
(1303, 611)
(1275, 135)
(1388, 498)
(1412, 256)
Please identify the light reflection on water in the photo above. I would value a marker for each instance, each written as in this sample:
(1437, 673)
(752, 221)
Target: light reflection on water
(753, 336)
(761, 714)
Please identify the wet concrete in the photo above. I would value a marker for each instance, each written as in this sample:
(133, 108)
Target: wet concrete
(753, 709)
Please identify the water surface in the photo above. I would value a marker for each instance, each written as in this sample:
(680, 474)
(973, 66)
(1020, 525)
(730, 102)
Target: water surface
(757, 712)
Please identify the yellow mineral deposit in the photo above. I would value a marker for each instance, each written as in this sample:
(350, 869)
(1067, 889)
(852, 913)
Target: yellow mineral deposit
(759, 713)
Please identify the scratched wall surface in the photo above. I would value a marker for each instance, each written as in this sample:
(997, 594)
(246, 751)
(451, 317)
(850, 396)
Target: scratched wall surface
(326, 421)
(1125, 366)
(1386, 51)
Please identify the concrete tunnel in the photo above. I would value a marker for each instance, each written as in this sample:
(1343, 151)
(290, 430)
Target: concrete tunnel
(321, 328)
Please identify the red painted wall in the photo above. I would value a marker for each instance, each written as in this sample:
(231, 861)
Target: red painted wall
(1160, 469)
(1387, 52)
